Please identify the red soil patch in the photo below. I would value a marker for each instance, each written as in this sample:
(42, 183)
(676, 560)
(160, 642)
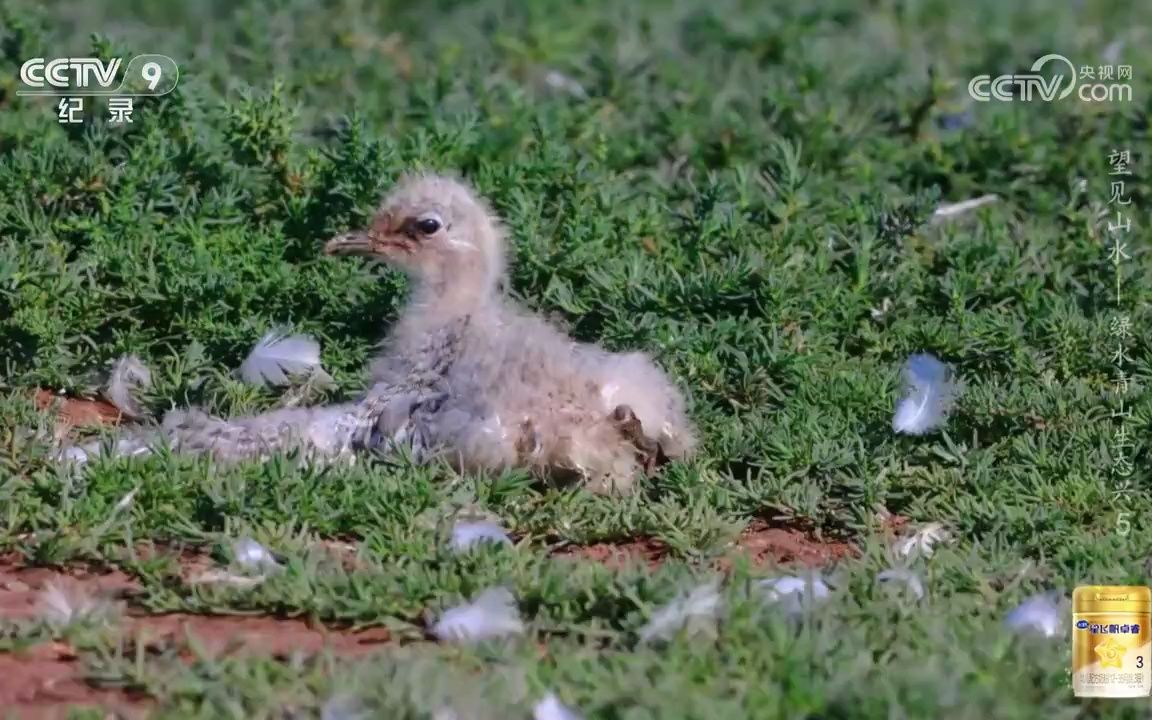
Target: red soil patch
(648, 551)
(761, 543)
(74, 412)
(45, 681)
(20, 589)
(20, 586)
(254, 634)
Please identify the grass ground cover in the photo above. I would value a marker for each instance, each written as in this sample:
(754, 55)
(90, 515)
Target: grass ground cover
(746, 190)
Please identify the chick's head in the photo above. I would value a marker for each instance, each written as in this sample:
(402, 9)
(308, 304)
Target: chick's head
(433, 227)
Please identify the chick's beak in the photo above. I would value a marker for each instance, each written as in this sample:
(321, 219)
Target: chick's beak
(353, 243)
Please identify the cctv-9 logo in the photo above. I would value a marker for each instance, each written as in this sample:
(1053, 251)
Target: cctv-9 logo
(150, 75)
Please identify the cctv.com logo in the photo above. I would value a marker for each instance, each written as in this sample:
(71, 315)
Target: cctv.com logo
(1034, 86)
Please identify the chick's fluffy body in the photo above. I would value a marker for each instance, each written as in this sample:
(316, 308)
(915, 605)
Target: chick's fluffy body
(517, 392)
(511, 389)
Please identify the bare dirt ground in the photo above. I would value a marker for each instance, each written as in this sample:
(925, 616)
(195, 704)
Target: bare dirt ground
(43, 681)
(764, 544)
(761, 543)
(648, 551)
(76, 412)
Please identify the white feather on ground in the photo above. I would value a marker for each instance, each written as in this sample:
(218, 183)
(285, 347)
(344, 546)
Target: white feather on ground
(223, 577)
(566, 84)
(794, 594)
(550, 708)
(466, 535)
(491, 614)
(251, 556)
(947, 211)
(280, 357)
(343, 707)
(1041, 614)
(929, 396)
(127, 446)
(60, 606)
(125, 502)
(73, 455)
(123, 505)
(902, 576)
(129, 376)
(694, 612)
(1111, 52)
(252, 562)
(923, 541)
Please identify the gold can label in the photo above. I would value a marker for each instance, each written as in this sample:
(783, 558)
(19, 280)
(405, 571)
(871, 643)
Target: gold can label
(1111, 647)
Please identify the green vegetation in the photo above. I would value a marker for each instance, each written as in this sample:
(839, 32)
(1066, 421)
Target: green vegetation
(743, 189)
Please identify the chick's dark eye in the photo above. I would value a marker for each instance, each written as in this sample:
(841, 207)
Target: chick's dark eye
(428, 226)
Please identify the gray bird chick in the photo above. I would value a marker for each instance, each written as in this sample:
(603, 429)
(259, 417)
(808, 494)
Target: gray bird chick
(320, 434)
(487, 384)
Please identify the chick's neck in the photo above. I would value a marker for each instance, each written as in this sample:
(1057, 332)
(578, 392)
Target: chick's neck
(442, 297)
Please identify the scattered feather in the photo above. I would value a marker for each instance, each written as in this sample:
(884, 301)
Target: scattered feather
(922, 542)
(61, 606)
(883, 309)
(122, 505)
(1038, 615)
(278, 357)
(929, 394)
(127, 446)
(74, 455)
(129, 377)
(252, 564)
(910, 580)
(1112, 51)
(343, 707)
(125, 502)
(950, 210)
(251, 556)
(695, 612)
(466, 535)
(493, 613)
(565, 84)
(223, 577)
(550, 708)
(793, 593)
